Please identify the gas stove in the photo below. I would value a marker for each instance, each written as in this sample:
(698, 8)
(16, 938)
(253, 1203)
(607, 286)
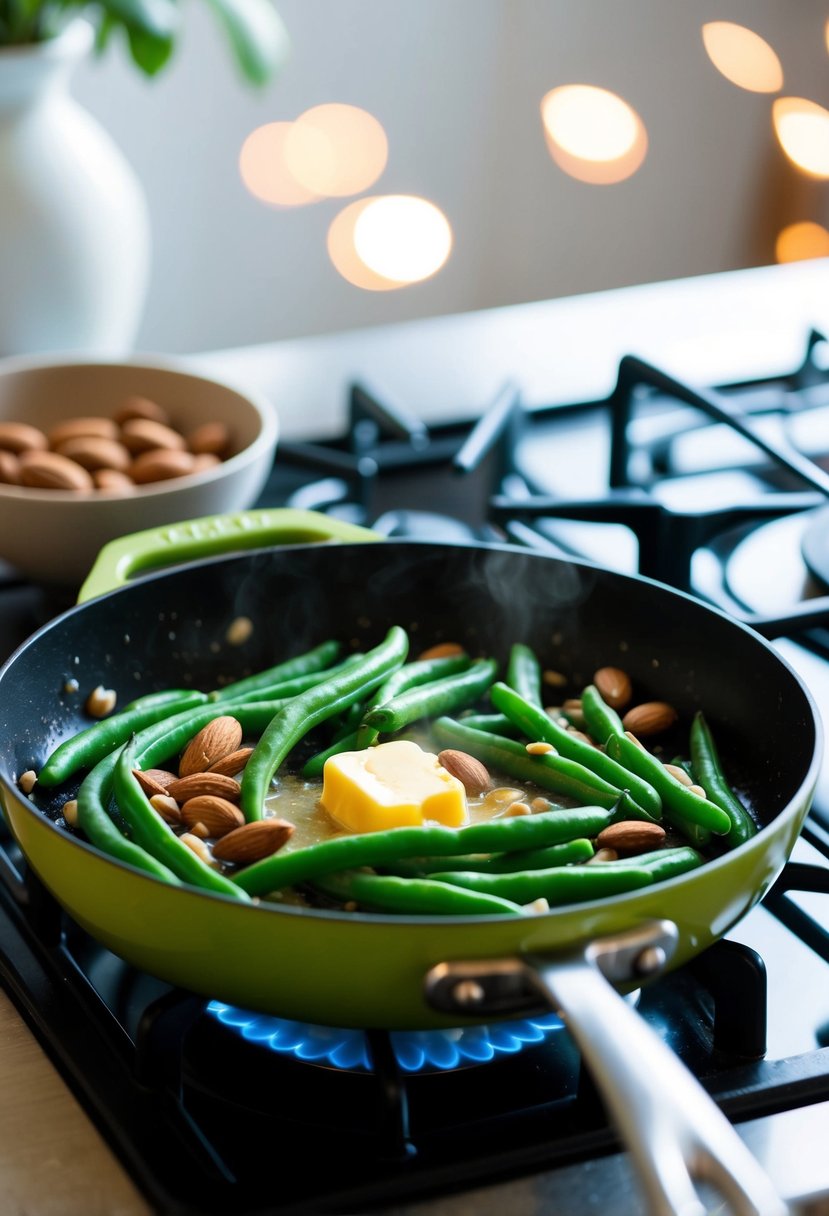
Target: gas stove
(720, 490)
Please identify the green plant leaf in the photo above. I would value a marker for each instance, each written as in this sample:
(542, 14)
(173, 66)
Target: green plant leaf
(149, 53)
(257, 36)
(158, 19)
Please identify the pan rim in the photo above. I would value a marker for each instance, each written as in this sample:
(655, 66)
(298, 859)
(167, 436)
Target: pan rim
(798, 803)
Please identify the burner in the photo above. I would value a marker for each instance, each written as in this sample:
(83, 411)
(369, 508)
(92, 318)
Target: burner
(415, 1050)
(815, 545)
(765, 570)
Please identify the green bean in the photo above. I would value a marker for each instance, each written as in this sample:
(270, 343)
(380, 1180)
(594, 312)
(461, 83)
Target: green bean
(494, 724)
(564, 777)
(290, 687)
(85, 749)
(559, 885)
(420, 671)
(305, 711)
(286, 869)
(413, 895)
(437, 697)
(580, 849)
(665, 863)
(96, 824)
(318, 659)
(536, 724)
(707, 772)
(156, 837)
(410, 675)
(166, 696)
(166, 739)
(688, 812)
(524, 673)
(601, 719)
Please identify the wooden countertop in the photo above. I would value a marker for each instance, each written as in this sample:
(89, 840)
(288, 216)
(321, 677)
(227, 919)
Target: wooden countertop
(53, 1162)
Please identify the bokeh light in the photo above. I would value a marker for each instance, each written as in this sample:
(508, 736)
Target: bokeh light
(388, 242)
(265, 172)
(801, 241)
(743, 57)
(802, 128)
(336, 150)
(592, 134)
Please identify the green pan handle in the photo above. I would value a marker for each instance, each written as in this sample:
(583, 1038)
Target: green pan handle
(123, 558)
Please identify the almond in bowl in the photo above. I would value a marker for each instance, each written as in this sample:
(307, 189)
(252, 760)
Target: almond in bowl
(93, 451)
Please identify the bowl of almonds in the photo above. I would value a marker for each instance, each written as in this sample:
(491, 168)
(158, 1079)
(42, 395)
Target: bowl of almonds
(92, 451)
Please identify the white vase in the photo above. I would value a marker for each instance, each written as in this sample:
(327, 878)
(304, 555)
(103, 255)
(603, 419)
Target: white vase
(74, 229)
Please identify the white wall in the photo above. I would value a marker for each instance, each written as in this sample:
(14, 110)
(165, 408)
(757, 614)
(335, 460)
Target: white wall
(457, 86)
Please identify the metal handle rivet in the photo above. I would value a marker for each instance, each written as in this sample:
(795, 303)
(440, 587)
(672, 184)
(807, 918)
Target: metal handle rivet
(469, 992)
(652, 958)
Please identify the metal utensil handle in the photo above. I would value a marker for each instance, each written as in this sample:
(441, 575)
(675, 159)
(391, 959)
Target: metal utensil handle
(673, 1130)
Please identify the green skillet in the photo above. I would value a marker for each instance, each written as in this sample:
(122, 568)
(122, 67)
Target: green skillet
(302, 578)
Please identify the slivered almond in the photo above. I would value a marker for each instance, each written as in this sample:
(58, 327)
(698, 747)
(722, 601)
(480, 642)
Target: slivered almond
(253, 841)
(473, 775)
(167, 807)
(631, 836)
(217, 814)
(614, 685)
(219, 738)
(232, 763)
(650, 718)
(199, 785)
(154, 780)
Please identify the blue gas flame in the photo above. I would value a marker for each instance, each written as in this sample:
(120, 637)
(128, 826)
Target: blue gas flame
(415, 1050)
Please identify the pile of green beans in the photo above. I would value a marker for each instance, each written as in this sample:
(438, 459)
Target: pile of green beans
(496, 867)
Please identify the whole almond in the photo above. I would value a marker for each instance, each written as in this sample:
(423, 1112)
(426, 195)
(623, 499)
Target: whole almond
(140, 407)
(650, 718)
(614, 685)
(473, 775)
(232, 763)
(20, 437)
(217, 814)
(210, 437)
(442, 650)
(154, 780)
(112, 481)
(631, 836)
(219, 738)
(197, 785)
(51, 471)
(161, 464)
(254, 841)
(95, 452)
(9, 468)
(76, 428)
(144, 434)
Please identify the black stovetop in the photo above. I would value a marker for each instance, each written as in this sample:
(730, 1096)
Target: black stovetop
(205, 1112)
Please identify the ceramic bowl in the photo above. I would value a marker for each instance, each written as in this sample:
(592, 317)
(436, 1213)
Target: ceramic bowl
(53, 536)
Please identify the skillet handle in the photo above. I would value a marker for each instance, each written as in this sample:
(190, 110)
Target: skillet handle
(123, 558)
(673, 1130)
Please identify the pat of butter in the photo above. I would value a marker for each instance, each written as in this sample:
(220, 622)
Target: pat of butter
(392, 785)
